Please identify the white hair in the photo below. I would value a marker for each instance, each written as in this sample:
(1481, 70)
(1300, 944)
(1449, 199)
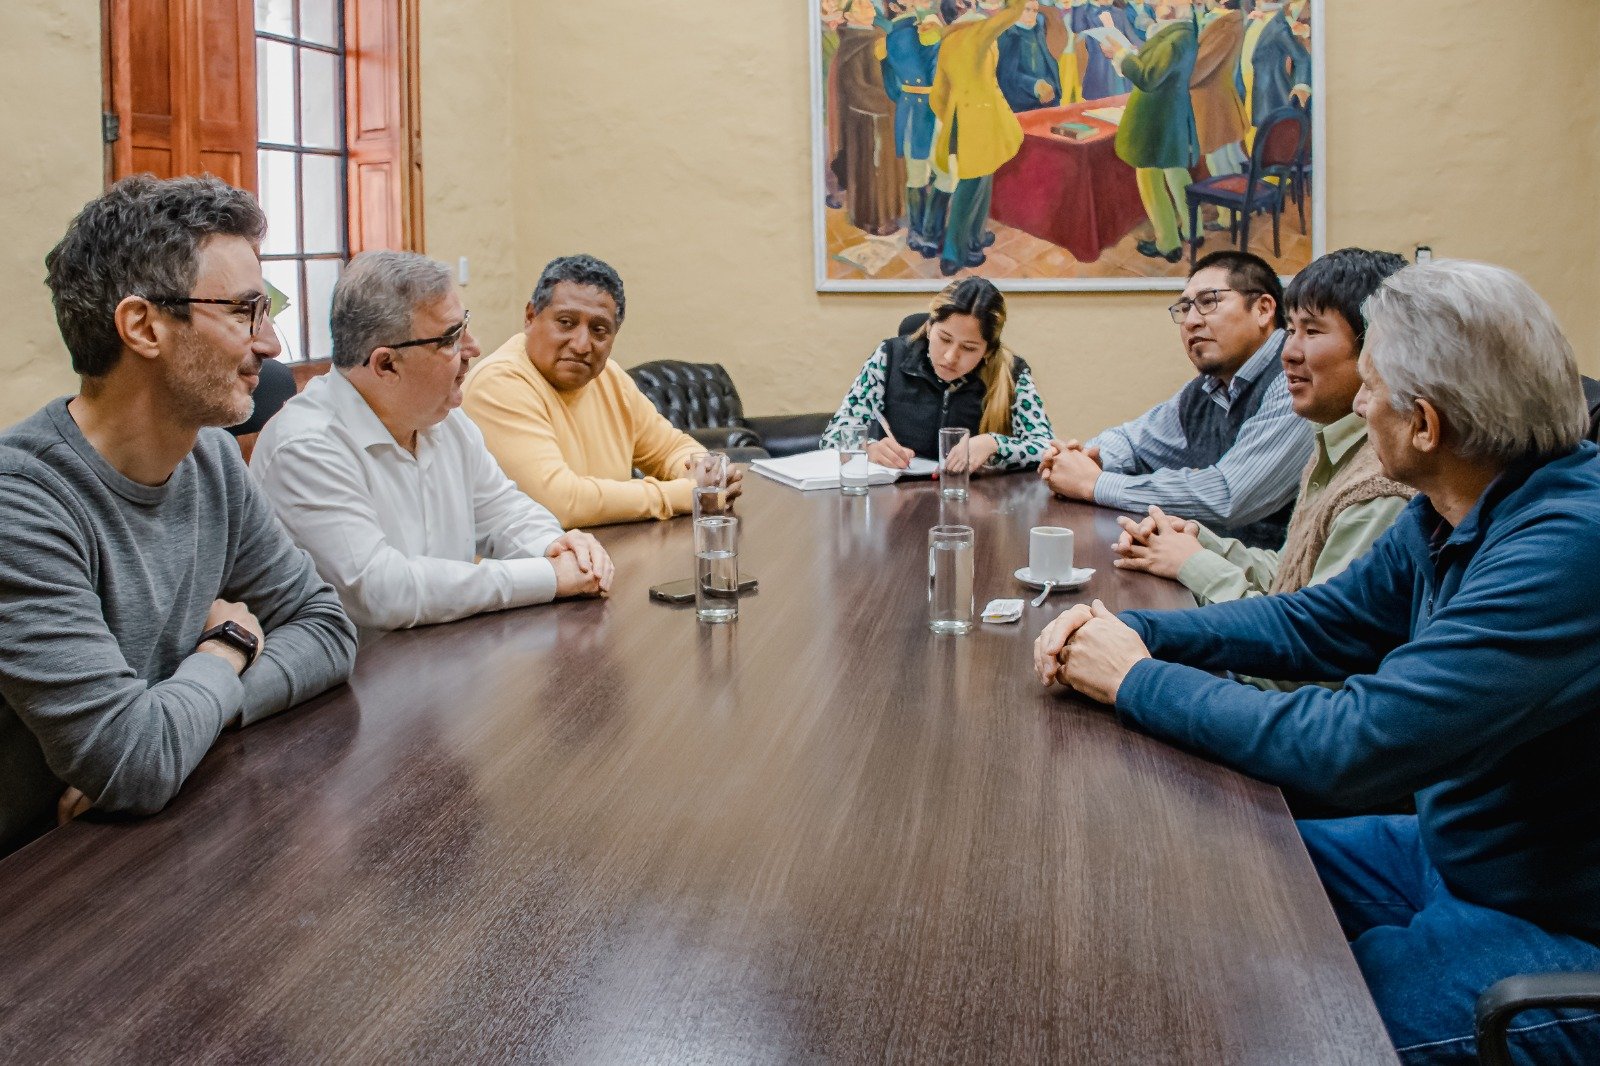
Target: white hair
(375, 298)
(1480, 345)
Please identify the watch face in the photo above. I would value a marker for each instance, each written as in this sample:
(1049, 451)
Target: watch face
(240, 637)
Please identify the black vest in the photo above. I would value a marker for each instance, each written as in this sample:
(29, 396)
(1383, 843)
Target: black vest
(1211, 431)
(917, 404)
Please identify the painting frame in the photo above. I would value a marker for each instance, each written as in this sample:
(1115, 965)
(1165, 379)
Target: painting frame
(821, 253)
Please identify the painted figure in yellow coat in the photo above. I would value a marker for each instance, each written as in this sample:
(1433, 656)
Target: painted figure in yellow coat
(977, 133)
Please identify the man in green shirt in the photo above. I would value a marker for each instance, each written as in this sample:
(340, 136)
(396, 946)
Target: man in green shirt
(1345, 502)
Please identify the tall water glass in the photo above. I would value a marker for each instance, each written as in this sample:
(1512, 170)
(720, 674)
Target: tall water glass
(710, 473)
(950, 605)
(853, 467)
(716, 568)
(955, 467)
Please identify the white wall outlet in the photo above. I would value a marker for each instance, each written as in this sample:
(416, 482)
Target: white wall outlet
(462, 274)
(1424, 255)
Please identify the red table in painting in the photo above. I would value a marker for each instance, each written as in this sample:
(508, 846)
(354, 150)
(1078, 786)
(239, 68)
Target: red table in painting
(1076, 194)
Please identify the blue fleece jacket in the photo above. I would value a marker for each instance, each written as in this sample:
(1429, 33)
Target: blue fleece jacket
(1471, 662)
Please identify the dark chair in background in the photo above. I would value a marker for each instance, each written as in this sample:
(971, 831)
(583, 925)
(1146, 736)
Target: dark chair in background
(1506, 999)
(1591, 393)
(272, 392)
(275, 388)
(1279, 148)
(701, 400)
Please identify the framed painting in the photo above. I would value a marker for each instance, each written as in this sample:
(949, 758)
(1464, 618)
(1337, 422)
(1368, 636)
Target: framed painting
(1062, 144)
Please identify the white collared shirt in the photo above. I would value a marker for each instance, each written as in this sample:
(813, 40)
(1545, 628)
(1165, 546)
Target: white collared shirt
(396, 534)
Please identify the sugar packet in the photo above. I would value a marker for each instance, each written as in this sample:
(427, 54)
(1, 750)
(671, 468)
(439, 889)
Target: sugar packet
(1002, 611)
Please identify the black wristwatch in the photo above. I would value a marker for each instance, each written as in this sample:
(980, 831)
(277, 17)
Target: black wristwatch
(234, 636)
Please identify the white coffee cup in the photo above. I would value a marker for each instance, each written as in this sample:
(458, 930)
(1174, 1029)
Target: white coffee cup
(1050, 553)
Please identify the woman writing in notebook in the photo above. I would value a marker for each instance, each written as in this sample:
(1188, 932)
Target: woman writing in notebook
(948, 369)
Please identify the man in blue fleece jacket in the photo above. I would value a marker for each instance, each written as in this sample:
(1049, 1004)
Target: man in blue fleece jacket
(1468, 641)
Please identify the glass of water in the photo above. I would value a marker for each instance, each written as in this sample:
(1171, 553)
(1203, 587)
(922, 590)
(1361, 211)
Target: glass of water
(853, 467)
(710, 473)
(955, 466)
(716, 568)
(950, 605)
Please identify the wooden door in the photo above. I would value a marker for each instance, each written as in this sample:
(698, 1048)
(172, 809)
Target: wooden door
(180, 88)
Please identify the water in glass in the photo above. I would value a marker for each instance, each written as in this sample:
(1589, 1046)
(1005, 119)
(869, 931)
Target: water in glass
(950, 559)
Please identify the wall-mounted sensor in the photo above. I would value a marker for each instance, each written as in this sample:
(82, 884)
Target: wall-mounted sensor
(461, 270)
(1424, 255)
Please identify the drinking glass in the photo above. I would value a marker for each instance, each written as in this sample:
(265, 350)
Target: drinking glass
(710, 473)
(950, 605)
(716, 568)
(953, 476)
(853, 466)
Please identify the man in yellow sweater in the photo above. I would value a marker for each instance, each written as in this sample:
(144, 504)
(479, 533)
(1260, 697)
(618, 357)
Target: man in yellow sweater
(568, 425)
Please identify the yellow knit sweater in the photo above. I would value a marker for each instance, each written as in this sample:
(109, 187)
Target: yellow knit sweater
(575, 452)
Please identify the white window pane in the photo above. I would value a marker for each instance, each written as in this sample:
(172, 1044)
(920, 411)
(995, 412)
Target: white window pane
(279, 202)
(320, 98)
(275, 16)
(286, 276)
(320, 277)
(323, 198)
(275, 92)
(318, 22)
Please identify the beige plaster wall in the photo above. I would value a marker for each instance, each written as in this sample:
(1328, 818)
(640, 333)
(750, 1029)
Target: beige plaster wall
(679, 149)
(50, 127)
(470, 120)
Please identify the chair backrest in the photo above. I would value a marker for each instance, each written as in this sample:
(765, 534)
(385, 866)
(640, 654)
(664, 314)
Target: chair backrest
(1280, 140)
(272, 392)
(1591, 393)
(911, 323)
(690, 395)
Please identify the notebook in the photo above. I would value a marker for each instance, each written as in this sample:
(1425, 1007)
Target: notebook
(820, 470)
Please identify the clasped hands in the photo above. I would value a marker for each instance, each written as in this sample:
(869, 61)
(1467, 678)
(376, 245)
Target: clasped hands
(1089, 649)
(582, 566)
(735, 482)
(1159, 544)
(1070, 469)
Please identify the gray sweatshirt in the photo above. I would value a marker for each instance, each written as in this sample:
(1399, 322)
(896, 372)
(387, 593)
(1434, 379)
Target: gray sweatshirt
(105, 585)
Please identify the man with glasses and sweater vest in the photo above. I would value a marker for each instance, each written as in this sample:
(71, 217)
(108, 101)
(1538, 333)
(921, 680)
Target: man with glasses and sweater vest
(1228, 449)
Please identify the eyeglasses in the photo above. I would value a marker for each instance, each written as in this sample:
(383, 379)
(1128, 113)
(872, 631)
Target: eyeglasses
(1205, 301)
(258, 305)
(449, 342)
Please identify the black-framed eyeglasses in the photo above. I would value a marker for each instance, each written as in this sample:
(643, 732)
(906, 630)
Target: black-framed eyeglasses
(1205, 301)
(449, 341)
(258, 305)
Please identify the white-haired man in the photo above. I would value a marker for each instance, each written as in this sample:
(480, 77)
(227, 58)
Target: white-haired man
(375, 472)
(1466, 643)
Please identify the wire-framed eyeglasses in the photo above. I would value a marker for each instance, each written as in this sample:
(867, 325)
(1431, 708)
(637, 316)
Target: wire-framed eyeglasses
(1205, 301)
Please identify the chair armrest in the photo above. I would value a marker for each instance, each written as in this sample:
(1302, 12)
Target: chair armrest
(790, 434)
(721, 438)
(739, 443)
(1508, 998)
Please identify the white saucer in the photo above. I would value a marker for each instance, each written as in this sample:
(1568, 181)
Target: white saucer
(1080, 577)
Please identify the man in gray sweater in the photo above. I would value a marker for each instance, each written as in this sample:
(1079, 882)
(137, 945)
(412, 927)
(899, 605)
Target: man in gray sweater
(150, 596)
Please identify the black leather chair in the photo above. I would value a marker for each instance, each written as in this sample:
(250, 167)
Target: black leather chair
(701, 400)
(1508, 998)
(1591, 392)
(272, 392)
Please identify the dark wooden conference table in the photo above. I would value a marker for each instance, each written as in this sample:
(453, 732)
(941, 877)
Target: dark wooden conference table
(602, 832)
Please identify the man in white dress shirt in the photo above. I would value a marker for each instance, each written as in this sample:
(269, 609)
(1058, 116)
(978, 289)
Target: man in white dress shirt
(374, 471)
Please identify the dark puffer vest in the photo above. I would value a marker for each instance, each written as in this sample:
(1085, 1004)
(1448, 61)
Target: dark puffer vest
(917, 404)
